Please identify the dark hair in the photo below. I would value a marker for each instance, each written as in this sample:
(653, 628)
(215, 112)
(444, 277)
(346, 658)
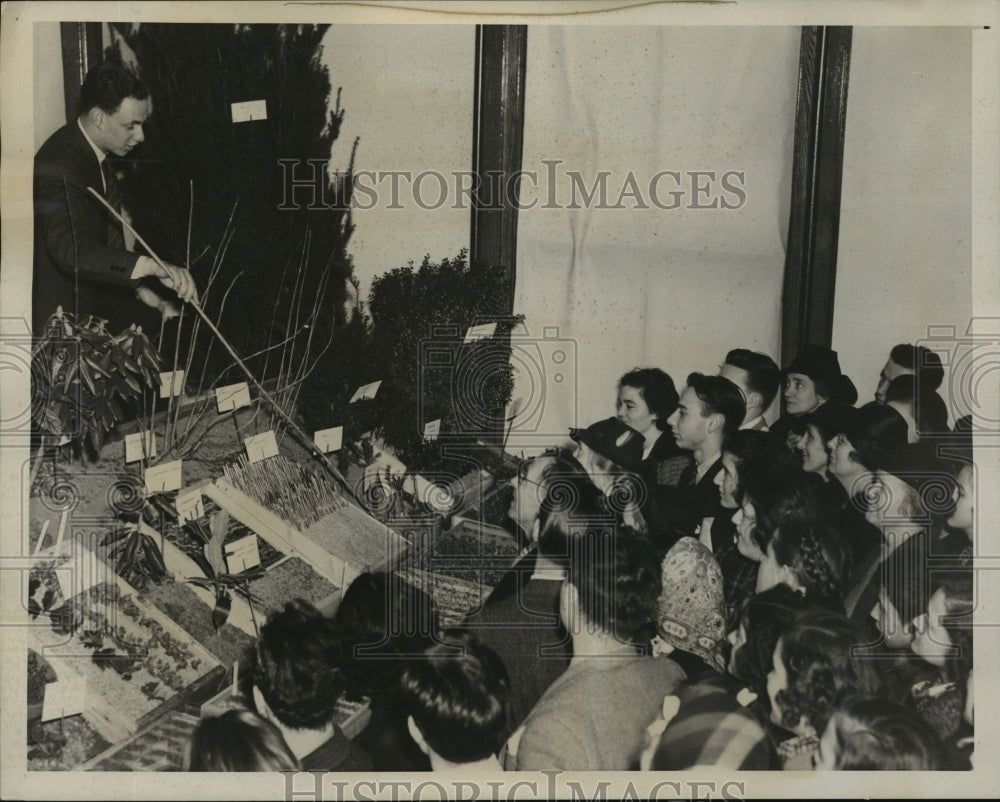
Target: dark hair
(818, 654)
(657, 390)
(618, 581)
(761, 455)
(778, 500)
(573, 505)
(874, 432)
(764, 617)
(457, 696)
(929, 410)
(926, 364)
(822, 366)
(763, 375)
(818, 556)
(107, 84)
(382, 619)
(238, 740)
(721, 396)
(297, 666)
(873, 733)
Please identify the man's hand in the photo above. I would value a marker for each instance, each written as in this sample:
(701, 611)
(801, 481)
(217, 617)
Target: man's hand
(151, 297)
(178, 279)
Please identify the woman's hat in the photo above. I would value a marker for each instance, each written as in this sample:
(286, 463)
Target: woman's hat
(691, 611)
(822, 366)
(613, 440)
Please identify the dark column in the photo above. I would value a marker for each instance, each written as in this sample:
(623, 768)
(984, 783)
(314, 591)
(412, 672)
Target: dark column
(814, 220)
(496, 149)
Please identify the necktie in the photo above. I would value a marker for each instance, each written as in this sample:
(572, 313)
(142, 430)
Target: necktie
(116, 238)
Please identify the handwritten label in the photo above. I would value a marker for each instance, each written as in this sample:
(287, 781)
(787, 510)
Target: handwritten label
(261, 446)
(171, 383)
(249, 110)
(189, 505)
(164, 477)
(232, 396)
(365, 391)
(327, 440)
(138, 446)
(242, 554)
(64, 697)
(481, 332)
(432, 430)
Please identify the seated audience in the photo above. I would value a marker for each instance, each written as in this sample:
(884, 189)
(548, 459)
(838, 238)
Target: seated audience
(455, 701)
(238, 740)
(814, 661)
(592, 717)
(646, 399)
(709, 410)
(872, 733)
(812, 379)
(811, 558)
(298, 676)
(758, 378)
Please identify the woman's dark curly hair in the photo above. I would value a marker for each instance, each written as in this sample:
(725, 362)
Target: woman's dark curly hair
(820, 662)
(818, 556)
(778, 501)
(764, 617)
(873, 733)
(657, 390)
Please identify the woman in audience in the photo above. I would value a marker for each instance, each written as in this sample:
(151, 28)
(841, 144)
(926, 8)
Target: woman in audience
(963, 518)
(611, 453)
(813, 662)
(746, 454)
(946, 702)
(872, 733)
(238, 740)
(646, 398)
(810, 434)
(811, 558)
(811, 380)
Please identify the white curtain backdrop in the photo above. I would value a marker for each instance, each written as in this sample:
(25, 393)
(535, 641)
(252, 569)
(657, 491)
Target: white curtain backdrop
(674, 288)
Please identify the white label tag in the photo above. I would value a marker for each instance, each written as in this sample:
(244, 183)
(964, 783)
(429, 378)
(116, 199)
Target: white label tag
(171, 383)
(242, 554)
(261, 446)
(482, 332)
(365, 391)
(327, 440)
(139, 447)
(232, 396)
(189, 505)
(164, 477)
(64, 697)
(432, 430)
(249, 110)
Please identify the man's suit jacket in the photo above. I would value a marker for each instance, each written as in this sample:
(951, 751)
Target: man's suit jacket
(72, 238)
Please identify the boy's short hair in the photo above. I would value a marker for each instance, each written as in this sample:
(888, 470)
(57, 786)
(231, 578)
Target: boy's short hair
(297, 666)
(457, 695)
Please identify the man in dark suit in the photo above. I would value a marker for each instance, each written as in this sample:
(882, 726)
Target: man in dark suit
(80, 261)
(710, 409)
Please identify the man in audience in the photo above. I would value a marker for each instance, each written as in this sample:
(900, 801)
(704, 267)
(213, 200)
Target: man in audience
(710, 409)
(594, 715)
(758, 377)
(520, 620)
(297, 680)
(913, 360)
(455, 700)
